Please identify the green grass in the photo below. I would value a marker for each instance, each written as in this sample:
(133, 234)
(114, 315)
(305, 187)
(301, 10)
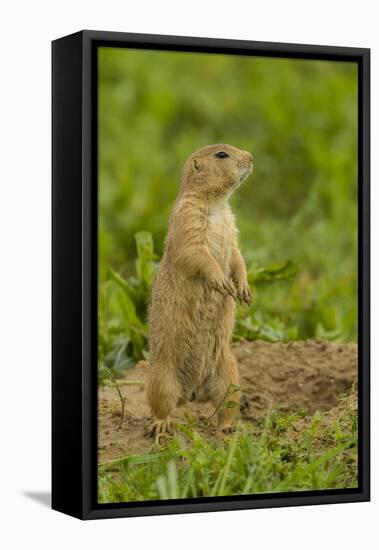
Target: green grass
(282, 453)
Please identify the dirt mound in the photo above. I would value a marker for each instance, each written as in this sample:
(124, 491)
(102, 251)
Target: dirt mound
(299, 376)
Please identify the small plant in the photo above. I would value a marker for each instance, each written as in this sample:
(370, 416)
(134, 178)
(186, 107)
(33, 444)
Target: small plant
(108, 379)
(226, 402)
(123, 305)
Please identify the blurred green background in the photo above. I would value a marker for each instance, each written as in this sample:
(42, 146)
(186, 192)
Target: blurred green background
(297, 215)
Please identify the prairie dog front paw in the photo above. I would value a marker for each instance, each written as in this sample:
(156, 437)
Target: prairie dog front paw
(244, 293)
(222, 285)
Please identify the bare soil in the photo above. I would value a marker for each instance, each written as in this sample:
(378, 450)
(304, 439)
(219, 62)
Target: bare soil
(297, 377)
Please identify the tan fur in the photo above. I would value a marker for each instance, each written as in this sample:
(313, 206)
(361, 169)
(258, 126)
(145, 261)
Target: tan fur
(200, 275)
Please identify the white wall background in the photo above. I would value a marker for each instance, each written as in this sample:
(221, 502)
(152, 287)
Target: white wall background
(27, 29)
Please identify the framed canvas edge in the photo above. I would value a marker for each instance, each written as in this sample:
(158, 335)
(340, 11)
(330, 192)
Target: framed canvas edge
(89, 508)
(67, 129)
(192, 43)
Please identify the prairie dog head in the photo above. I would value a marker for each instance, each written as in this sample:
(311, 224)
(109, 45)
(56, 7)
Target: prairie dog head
(215, 171)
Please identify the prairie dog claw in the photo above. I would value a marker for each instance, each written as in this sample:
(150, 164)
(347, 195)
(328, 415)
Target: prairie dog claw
(244, 293)
(160, 427)
(224, 287)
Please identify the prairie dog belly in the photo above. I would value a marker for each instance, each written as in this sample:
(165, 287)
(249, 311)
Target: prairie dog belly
(210, 327)
(220, 234)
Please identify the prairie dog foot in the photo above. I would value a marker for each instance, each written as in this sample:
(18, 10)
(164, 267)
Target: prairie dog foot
(160, 427)
(226, 429)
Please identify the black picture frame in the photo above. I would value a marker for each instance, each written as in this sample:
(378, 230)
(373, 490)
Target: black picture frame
(74, 273)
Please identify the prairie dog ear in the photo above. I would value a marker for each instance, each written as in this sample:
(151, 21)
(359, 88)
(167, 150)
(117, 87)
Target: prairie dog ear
(196, 165)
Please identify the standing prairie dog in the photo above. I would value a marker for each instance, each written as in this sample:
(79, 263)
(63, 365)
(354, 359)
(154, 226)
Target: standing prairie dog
(200, 276)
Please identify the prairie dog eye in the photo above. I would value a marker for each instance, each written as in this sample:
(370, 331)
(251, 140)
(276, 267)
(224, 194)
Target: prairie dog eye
(221, 155)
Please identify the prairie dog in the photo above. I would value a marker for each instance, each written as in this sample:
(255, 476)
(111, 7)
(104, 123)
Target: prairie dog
(200, 276)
